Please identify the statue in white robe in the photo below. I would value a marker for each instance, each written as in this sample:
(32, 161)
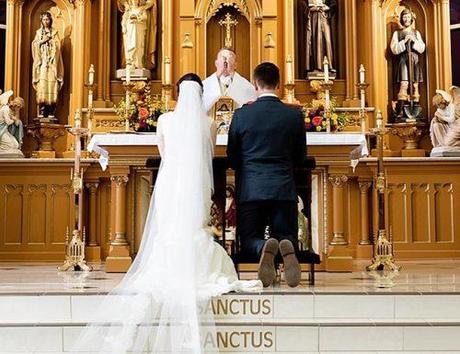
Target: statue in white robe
(139, 27)
(11, 130)
(226, 82)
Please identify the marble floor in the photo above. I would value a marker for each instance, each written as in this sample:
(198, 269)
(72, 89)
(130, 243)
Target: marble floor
(415, 277)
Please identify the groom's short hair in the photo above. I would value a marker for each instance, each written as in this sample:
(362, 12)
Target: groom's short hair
(267, 75)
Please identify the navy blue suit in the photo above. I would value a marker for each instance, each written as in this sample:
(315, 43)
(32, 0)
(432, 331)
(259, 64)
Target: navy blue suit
(266, 142)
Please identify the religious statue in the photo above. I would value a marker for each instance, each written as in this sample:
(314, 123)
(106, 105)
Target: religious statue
(11, 130)
(319, 39)
(445, 125)
(48, 69)
(407, 45)
(139, 27)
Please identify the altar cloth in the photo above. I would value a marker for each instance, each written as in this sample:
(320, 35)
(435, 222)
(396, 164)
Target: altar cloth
(313, 139)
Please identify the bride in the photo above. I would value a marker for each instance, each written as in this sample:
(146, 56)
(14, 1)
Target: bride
(163, 304)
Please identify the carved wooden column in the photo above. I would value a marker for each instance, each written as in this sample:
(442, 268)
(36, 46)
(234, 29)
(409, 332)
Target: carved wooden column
(103, 55)
(338, 182)
(270, 31)
(443, 44)
(80, 66)
(351, 47)
(119, 259)
(93, 249)
(187, 37)
(13, 46)
(364, 249)
(339, 258)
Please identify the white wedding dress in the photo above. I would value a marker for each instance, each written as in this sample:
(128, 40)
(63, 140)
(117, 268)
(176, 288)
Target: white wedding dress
(163, 302)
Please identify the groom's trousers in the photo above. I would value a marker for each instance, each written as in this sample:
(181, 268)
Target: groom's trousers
(253, 217)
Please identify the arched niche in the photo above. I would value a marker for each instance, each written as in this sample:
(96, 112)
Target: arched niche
(216, 35)
(421, 24)
(337, 23)
(207, 14)
(427, 24)
(62, 12)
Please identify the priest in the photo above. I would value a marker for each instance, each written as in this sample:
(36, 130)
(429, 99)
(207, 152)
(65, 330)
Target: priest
(226, 82)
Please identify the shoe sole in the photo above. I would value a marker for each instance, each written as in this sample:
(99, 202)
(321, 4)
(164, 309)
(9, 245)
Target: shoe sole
(266, 272)
(292, 271)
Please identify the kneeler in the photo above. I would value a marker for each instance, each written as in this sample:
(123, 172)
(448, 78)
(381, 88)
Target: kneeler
(305, 255)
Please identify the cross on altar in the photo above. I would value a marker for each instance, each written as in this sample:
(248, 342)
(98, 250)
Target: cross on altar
(228, 23)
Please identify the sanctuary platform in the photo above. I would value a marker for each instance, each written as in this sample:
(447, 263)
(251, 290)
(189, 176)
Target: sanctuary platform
(418, 312)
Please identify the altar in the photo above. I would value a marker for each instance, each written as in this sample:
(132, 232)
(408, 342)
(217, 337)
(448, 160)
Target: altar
(124, 157)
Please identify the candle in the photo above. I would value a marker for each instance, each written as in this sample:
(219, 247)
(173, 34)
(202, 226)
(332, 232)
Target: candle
(363, 99)
(326, 69)
(77, 119)
(91, 75)
(362, 74)
(128, 73)
(90, 99)
(379, 120)
(167, 73)
(289, 70)
(327, 101)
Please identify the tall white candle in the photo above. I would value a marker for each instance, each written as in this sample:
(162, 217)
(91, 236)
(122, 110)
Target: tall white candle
(289, 70)
(167, 73)
(326, 69)
(362, 74)
(77, 119)
(91, 75)
(379, 120)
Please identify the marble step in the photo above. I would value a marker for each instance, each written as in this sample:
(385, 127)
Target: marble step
(44, 338)
(281, 322)
(269, 308)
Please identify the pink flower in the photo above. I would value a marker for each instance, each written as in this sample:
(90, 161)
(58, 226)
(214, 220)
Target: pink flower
(317, 121)
(143, 112)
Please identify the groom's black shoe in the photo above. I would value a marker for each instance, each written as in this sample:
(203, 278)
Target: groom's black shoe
(267, 272)
(291, 264)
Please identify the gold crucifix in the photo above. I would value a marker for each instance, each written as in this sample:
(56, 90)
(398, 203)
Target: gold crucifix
(228, 23)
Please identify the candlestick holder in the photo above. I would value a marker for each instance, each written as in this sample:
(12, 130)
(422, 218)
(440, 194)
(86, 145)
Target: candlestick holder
(327, 86)
(75, 248)
(383, 244)
(290, 94)
(166, 95)
(362, 87)
(128, 85)
(91, 87)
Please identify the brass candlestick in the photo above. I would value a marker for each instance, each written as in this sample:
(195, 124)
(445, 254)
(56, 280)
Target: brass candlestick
(128, 85)
(327, 86)
(91, 86)
(75, 249)
(383, 245)
(362, 86)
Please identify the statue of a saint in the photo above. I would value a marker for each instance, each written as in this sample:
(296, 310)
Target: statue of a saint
(48, 70)
(445, 126)
(443, 119)
(319, 40)
(139, 27)
(11, 130)
(407, 44)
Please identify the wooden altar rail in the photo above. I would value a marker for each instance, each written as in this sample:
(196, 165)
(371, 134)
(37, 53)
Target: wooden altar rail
(36, 206)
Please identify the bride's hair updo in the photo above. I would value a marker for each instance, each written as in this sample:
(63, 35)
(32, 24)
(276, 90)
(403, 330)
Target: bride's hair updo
(189, 77)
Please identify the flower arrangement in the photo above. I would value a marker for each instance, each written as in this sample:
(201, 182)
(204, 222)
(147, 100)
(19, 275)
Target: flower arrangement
(144, 110)
(315, 118)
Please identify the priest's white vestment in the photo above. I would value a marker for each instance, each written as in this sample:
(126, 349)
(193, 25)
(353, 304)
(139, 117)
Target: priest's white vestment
(240, 90)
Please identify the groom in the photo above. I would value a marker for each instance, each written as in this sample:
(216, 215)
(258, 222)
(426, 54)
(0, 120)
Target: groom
(265, 142)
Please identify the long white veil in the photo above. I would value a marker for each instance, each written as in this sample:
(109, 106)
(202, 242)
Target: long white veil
(163, 302)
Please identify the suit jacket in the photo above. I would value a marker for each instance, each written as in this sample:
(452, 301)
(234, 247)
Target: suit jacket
(266, 141)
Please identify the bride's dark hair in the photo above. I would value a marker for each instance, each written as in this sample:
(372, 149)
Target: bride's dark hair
(189, 77)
